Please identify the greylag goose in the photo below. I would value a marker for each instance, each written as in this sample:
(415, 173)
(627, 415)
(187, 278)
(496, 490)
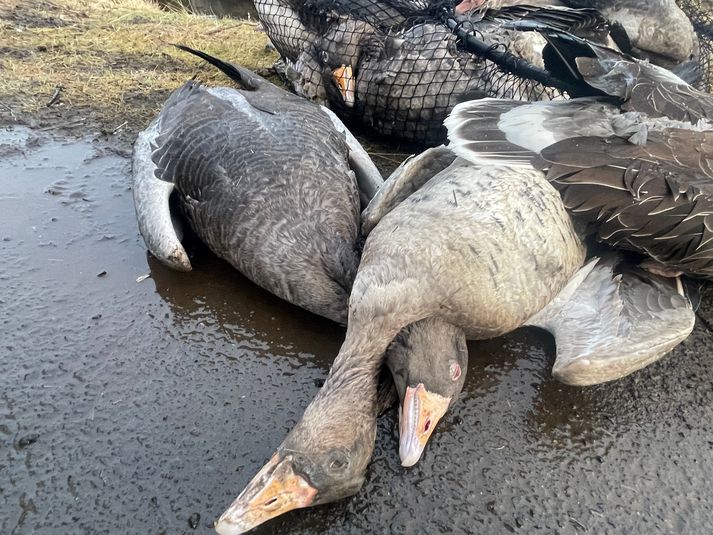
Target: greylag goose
(224, 152)
(424, 403)
(634, 171)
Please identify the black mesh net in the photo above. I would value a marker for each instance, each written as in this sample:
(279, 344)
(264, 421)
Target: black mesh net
(399, 66)
(391, 65)
(701, 14)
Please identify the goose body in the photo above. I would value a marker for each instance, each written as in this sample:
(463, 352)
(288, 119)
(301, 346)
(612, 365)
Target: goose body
(656, 30)
(590, 318)
(246, 167)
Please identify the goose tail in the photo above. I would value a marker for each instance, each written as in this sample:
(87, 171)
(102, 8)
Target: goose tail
(475, 133)
(509, 132)
(244, 77)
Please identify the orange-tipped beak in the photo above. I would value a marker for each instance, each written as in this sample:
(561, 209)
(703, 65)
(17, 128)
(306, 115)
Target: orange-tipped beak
(468, 5)
(344, 78)
(420, 412)
(275, 490)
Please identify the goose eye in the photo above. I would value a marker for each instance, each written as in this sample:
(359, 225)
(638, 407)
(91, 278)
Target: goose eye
(455, 371)
(338, 462)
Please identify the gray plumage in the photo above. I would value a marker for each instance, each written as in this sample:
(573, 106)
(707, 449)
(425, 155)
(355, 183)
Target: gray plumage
(654, 196)
(613, 319)
(658, 29)
(246, 166)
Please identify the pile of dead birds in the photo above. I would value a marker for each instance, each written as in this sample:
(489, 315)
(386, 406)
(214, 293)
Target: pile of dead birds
(589, 215)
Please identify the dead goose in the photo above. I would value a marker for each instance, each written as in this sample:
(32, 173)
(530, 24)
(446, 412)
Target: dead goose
(606, 323)
(466, 223)
(206, 141)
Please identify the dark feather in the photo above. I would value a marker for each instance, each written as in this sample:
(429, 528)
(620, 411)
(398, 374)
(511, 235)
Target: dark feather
(616, 188)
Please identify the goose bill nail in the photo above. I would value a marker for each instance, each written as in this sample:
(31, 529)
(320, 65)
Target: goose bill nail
(420, 412)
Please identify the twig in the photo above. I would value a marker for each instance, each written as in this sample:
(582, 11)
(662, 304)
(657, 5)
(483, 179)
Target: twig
(578, 523)
(55, 96)
(71, 124)
(8, 108)
(122, 125)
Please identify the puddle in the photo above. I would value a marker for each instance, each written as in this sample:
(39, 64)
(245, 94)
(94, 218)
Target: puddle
(146, 407)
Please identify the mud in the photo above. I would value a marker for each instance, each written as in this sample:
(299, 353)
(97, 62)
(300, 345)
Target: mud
(145, 407)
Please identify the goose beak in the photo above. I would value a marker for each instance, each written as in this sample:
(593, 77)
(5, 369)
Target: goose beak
(420, 412)
(344, 78)
(275, 490)
(468, 5)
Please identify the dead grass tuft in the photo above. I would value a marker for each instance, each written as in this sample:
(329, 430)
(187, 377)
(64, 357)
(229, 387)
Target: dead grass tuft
(112, 58)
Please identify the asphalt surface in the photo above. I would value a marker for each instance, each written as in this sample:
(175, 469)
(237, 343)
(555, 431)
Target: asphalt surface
(145, 407)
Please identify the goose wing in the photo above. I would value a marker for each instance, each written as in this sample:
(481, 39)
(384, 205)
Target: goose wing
(654, 195)
(410, 176)
(607, 324)
(556, 17)
(160, 162)
(151, 201)
(655, 199)
(368, 177)
(597, 70)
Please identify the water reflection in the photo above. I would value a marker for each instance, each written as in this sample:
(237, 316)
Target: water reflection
(215, 293)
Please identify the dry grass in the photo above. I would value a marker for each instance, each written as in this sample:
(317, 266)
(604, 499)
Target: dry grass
(112, 58)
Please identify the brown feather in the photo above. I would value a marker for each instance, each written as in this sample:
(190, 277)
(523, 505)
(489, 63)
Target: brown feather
(615, 188)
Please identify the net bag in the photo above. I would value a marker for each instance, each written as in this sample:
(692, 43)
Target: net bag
(700, 12)
(393, 65)
(399, 66)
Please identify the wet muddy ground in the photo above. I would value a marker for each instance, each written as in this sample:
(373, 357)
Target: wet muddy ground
(145, 407)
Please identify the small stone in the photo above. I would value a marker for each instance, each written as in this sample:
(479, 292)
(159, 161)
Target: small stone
(193, 520)
(27, 440)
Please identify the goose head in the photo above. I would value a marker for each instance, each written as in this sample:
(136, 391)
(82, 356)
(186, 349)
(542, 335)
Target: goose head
(325, 456)
(323, 459)
(428, 361)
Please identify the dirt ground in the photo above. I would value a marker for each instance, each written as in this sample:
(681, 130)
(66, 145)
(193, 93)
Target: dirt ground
(106, 66)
